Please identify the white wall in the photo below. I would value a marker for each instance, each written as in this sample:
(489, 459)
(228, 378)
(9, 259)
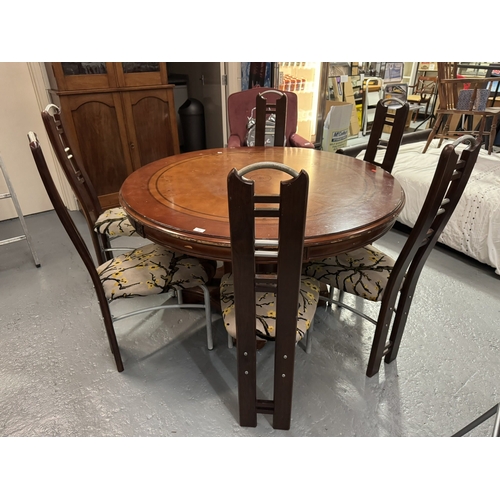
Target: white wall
(20, 107)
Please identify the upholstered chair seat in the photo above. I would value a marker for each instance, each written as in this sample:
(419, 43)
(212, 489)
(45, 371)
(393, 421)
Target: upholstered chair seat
(150, 270)
(363, 272)
(265, 302)
(114, 222)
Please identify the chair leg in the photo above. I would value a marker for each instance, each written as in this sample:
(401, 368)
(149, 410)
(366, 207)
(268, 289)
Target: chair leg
(110, 329)
(380, 337)
(398, 329)
(208, 317)
(480, 133)
(433, 133)
(446, 129)
(404, 304)
(309, 338)
(493, 133)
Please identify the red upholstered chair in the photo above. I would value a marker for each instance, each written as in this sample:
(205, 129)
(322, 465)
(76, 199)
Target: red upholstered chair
(240, 105)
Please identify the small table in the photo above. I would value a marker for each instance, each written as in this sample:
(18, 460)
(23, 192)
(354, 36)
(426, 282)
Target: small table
(181, 201)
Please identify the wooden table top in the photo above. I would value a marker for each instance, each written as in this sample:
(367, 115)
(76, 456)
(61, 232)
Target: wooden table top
(181, 201)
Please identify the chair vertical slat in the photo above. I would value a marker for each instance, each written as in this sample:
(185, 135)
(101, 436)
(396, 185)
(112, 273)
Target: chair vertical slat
(242, 232)
(260, 120)
(279, 130)
(293, 207)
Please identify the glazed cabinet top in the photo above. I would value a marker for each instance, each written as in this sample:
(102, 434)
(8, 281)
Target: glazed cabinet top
(90, 76)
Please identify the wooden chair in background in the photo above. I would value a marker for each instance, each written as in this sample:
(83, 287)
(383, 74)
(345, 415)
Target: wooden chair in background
(463, 108)
(423, 93)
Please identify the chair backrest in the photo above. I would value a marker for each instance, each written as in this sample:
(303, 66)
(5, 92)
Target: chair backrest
(77, 241)
(241, 104)
(465, 94)
(450, 179)
(386, 114)
(290, 208)
(74, 172)
(263, 109)
(447, 70)
(425, 86)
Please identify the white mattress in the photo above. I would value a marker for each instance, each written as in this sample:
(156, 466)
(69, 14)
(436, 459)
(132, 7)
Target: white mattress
(474, 227)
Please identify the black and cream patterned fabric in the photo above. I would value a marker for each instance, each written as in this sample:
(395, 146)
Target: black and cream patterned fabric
(150, 270)
(265, 325)
(114, 222)
(363, 272)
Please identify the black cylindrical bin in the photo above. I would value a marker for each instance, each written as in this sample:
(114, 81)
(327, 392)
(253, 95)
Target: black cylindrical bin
(192, 117)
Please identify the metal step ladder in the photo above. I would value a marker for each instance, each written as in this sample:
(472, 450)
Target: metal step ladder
(12, 194)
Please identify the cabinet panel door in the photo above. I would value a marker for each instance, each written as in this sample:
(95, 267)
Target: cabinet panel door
(152, 125)
(96, 129)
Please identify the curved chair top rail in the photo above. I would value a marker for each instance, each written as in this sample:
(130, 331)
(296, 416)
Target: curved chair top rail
(52, 107)
(470, 139)
(267, 164)
(272, 91)
(392, 99)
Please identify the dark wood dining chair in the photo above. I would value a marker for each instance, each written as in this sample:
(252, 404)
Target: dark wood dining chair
(423, 93)
(391, 113)
(371, 274)
(277, 306)
(268, 112)
(241, 109)
(148, 270)
(104, 225)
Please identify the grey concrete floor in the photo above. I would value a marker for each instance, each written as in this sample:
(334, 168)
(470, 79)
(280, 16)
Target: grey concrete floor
(58, 378)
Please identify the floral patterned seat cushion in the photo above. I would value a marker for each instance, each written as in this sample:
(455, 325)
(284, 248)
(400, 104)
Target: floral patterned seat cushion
(150, 270)
(363, 272)
(265, 324)
(114, 222)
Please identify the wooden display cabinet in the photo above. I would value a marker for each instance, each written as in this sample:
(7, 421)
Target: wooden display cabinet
(118, 117)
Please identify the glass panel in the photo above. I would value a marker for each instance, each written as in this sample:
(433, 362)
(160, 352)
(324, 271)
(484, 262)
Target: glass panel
(84, 68)
(141, 67)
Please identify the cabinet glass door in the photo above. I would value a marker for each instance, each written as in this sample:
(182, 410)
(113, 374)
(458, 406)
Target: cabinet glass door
(137, 74)
(84, 68)
(84, 75)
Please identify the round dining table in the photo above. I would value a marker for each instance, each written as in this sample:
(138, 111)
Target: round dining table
(181, 201)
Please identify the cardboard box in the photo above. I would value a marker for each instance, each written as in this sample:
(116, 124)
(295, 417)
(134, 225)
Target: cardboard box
(336, 125)
(349, 97)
